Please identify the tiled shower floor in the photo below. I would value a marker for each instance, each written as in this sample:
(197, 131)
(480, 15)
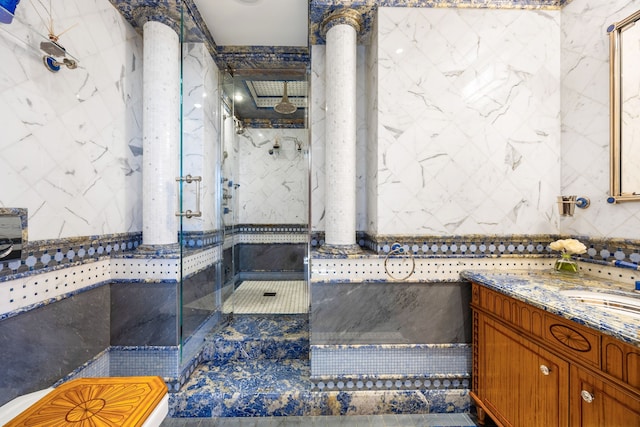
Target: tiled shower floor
(269, 297)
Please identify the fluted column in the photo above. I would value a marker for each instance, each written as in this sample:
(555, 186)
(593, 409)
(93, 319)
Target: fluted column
(341, 30)
(161, 133)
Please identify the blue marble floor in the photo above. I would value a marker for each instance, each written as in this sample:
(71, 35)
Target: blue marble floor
(258, 366)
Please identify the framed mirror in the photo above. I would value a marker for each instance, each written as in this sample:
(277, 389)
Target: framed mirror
(624, 83)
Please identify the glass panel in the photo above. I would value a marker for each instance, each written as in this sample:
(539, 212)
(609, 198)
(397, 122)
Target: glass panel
(230, 127)
(200, 197)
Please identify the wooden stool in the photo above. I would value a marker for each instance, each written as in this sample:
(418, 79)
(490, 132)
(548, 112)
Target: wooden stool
(119, 401)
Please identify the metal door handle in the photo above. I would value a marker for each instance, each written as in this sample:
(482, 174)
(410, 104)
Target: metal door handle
(189, 179)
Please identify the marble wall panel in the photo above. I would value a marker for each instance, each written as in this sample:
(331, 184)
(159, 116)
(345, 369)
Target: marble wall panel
(467, 127)
(273, 187)
(41, 346)
(390, 313)
(274, 258)
(468, 121)
(144, 314)
(72, 141)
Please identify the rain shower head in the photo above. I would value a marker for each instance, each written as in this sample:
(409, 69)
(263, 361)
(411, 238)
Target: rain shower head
(284, 106)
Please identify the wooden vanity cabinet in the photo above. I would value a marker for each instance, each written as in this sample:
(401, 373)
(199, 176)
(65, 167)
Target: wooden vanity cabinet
(520, 371)
(533, 368)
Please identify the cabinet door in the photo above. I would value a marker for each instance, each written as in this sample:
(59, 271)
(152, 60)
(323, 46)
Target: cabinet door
(598, 403)
(520, 383)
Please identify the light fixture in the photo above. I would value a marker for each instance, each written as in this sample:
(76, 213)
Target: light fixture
(284, 106)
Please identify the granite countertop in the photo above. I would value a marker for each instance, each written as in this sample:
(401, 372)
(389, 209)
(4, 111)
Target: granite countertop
(544, 289)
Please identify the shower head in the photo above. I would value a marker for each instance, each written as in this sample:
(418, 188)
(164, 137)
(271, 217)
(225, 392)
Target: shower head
(284, 106)
(52, 48)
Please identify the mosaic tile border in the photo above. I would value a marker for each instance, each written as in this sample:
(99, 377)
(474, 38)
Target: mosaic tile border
(440, 366)
(604, 251)
(47, 255)
(391, 361)
(132, 360)
(437, 270)
(200, 239)
(269, 233)
(271, 228)
(391, 383)
(28, 291)
(62, 253)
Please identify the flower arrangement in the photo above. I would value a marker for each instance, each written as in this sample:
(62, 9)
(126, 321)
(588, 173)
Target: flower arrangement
(567, 247)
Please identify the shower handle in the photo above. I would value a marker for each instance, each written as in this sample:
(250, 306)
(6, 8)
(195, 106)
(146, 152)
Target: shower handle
(190, 179)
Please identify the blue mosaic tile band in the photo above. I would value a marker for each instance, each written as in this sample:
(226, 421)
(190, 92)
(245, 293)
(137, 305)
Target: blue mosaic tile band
(200, 239)
(599, 251)
(274, 123)
(61, 253)
(388, 382)
(128, 361)
(46, 255)
(266, 229)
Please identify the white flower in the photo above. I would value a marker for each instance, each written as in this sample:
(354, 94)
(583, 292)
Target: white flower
(570, 246)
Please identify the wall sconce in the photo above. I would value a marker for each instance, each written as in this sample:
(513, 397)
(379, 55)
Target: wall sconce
(567, 204)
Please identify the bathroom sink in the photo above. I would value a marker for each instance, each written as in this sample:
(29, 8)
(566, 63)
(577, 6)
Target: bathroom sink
(614, 303)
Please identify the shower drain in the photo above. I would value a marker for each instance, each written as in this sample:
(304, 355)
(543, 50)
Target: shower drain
(269, 294)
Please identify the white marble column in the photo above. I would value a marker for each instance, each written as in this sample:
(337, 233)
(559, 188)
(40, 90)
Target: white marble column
(161, 136)
(341, 30)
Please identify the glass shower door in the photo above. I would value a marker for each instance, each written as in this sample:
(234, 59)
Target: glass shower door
(229, 159)
(200, 225)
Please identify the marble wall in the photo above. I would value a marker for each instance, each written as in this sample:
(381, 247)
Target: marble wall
(40, 347)
(477, 120)
(466, 113)
(468, 125)
(71, 147)
(585, 118)
(273, 187)
(390, 313)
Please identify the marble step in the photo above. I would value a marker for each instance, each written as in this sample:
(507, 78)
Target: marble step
(254, 337)
(267, 387)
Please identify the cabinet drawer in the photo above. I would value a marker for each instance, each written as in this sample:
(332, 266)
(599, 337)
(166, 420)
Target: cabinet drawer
(572, 339)
(575, 341)
(514, 312)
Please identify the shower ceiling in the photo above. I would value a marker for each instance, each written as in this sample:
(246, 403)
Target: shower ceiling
(247, 33)
(255, 99)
